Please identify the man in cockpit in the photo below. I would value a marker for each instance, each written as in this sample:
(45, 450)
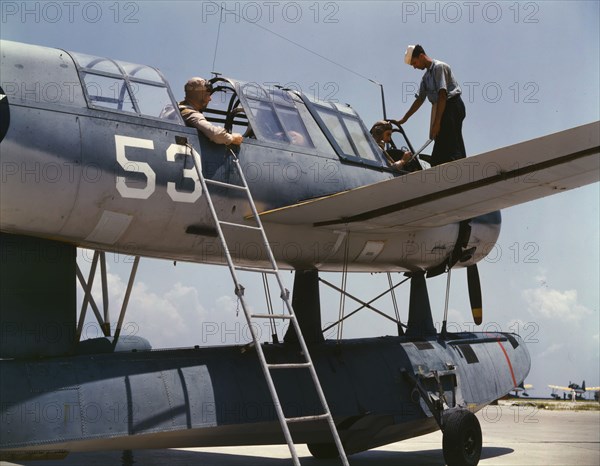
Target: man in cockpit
(382, 133)
(197, 97)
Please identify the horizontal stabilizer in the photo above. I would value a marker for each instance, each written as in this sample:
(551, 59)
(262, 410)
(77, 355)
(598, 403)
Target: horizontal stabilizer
(461, 189)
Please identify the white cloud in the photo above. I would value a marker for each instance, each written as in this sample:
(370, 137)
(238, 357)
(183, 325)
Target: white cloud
(173, 319)
(227, 304)
(554, 304)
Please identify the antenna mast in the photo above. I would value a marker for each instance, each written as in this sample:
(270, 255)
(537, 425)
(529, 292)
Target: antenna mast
(382, 97)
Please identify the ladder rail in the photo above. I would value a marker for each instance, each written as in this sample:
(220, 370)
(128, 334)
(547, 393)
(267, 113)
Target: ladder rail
(294, 320)
(239, 291)
(272, 389)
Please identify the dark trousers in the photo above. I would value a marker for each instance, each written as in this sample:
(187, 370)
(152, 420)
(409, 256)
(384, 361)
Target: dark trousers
(449, 144)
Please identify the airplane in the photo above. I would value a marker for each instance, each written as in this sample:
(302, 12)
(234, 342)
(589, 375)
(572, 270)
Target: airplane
(520, 390)
(577, 391)
(94, 155)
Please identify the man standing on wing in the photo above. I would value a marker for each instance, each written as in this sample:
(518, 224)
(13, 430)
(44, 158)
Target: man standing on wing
(448, 110)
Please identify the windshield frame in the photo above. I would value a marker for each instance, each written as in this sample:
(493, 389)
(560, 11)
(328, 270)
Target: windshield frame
(117, 71)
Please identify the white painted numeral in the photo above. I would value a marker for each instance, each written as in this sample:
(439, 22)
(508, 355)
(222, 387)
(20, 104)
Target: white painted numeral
(134, 167)
(191, 173)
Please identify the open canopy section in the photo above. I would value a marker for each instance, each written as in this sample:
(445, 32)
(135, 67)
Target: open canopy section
(283, 117)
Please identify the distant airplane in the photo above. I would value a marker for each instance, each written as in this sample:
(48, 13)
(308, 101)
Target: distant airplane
(576, 391)
(519, 391)
(94, 154)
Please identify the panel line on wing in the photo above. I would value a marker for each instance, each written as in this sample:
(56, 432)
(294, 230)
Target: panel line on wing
(504, 176)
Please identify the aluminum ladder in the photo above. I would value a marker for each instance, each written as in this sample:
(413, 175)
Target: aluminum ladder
(250, 318)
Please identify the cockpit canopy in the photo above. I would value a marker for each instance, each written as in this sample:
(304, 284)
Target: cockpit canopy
(289, 118)
(126, 87)
(272, 115)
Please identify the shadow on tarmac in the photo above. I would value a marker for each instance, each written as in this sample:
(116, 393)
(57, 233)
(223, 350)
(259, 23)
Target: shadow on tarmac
(194, 458)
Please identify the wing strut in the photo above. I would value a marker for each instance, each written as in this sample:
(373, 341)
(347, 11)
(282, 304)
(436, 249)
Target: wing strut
(251, 318)
(88, 299)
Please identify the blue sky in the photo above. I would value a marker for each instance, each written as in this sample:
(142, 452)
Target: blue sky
(527, 69)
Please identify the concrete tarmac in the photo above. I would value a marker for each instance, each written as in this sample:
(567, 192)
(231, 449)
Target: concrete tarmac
(512, 435)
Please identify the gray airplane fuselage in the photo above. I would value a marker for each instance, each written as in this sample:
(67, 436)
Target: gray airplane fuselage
(109, 179)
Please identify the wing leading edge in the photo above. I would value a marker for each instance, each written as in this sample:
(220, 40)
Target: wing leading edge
(459, 190)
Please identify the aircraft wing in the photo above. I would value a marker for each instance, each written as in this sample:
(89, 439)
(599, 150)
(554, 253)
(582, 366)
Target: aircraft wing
(558, 387)
(459, 190)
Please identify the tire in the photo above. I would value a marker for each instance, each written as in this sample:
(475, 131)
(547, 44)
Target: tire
(323, 451)
(462, 438)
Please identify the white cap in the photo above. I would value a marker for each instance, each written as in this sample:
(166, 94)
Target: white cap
(408, 54)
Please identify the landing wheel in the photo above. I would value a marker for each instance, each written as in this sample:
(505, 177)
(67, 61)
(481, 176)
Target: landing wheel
(323, 451)
(462, 438)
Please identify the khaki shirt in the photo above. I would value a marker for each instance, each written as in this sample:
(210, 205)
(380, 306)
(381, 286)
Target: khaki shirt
(196, 119)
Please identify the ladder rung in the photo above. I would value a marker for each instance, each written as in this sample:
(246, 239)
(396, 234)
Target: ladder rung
(319, 417)
(254, 269)
(300, 365)
(226, 185)
(284, 295)
(239, 225)
(271, 316)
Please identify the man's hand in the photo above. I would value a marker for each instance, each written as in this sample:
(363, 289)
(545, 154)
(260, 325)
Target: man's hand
(237, 139)
(400, 164)
(296, 138)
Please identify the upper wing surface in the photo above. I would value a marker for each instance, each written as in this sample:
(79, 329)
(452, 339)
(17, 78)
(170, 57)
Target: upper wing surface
(559, 387)
(459, 190)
